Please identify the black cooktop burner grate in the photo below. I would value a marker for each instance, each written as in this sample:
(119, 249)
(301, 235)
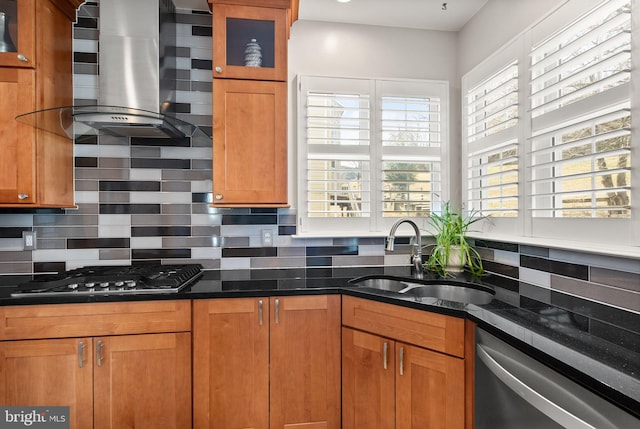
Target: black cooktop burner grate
(121, 279)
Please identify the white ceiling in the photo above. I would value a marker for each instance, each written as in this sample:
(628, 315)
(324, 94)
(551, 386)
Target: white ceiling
(421, 14)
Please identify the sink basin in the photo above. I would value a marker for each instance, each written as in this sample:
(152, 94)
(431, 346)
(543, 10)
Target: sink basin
(383, 283)
(468, 295)
(447, 290)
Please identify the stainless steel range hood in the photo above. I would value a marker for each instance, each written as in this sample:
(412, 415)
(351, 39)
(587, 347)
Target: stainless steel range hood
(137, 77)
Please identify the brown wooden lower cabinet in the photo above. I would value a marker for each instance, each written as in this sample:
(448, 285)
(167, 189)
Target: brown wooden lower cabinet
(260, 363)
(267, 363)
(388, 383)
(231, 363)
(47, 372)
(429, 389)
(133, 380)
(368, 381)
(143, 381)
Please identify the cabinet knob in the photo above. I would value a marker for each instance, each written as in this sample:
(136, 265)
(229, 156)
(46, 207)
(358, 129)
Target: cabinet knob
(218, 69)
(23, 196)
(218, 196)
(22, 58)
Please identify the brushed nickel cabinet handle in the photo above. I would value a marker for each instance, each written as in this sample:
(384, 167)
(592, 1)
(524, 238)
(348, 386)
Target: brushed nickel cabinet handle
(277, 317)
(260, 312)
(80, 354)
(385, 350)
(99, 353)
(23, 196)
(218, 69)
(218, 196)
(22, 58)
(401, 360)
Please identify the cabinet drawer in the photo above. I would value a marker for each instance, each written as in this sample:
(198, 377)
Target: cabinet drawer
(78, 320)
(429, 330)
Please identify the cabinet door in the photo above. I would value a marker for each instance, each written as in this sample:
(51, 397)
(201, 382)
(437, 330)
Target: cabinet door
(249, 143)
(143, 381)
(231, 363)
(368, 381)
(17, 33)
(17, 141)
(249, 42)
(305, 362)
(49, 373)
(430, 390)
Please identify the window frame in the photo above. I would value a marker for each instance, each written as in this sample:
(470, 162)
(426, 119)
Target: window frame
(376, 224)
(610, 232)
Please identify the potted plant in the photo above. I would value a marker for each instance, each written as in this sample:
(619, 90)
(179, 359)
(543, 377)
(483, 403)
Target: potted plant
(452, 252)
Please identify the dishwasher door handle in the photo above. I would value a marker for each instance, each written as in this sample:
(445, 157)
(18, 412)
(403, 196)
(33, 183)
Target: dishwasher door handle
(542, 403)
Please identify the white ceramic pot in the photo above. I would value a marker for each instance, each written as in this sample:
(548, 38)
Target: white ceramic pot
(457, 260)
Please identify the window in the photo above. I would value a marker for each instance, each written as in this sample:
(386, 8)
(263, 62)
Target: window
(492, 145)
(581, 126)
(371, 151)
(547, 134)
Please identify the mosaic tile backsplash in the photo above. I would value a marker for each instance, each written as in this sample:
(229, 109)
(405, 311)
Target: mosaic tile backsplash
(148, 200)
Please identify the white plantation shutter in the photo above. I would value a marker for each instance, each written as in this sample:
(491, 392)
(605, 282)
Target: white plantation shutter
(371, 151)
(493, 180)
(548, 140)
(338, 135)
(492, 106)
(411, 138)
(491, 146)
(584, 169)
(409, 187)
(581, 128)
(588, 57)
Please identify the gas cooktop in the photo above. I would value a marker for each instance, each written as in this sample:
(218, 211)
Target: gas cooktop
(106, 280)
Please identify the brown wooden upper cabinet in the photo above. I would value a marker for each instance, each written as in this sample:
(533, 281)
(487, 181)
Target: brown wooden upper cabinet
(250, 101)
(36, 166)
(249, 42)
(17, 35)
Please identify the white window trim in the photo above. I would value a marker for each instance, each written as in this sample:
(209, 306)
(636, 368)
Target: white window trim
(610, 236)
(374, 226)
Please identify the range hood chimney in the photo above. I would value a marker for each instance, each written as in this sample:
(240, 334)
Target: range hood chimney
(137, 76)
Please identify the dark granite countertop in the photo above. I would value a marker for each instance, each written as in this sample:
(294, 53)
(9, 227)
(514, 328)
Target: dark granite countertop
(550, 334)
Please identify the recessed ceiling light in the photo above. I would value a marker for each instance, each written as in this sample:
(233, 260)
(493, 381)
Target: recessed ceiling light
(344, 1)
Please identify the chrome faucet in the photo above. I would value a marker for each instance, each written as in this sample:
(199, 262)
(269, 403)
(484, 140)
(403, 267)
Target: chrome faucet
(416, 249)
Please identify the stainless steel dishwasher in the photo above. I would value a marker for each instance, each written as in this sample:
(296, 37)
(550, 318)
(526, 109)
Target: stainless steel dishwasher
(513, 390)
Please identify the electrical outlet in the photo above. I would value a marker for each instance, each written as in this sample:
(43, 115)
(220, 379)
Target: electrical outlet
(29, 240)
(267, 238)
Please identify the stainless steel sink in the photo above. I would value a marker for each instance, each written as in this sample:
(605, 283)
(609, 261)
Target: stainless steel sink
(447, 290)
(388, 284)
(469, 295)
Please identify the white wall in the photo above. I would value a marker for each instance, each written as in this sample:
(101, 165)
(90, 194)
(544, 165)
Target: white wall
(348, 50)
(495, 24)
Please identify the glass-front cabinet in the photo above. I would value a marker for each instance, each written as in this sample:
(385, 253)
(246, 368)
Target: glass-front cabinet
(249, 42)
(17, 33)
